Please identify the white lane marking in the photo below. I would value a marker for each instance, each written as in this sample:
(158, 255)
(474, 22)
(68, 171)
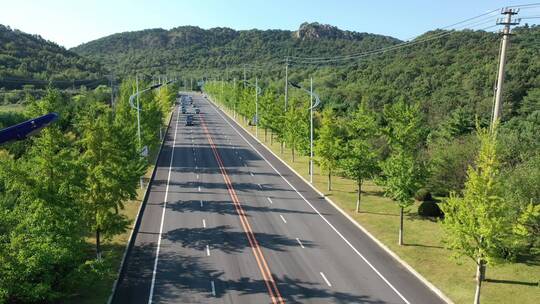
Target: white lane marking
(245, 165)
(326, 280)
(299, 242)
(199, 188)
(196, 167)
(204, 223)
(154, 272)
(260, 186)
(197, 176)
(207, 250)
(315, 209)
(283, 219)
(251, 173)
(270, 200)
(213, 288)
(201, 203)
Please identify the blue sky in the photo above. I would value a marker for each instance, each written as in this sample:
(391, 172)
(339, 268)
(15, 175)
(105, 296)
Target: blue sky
(71, 22)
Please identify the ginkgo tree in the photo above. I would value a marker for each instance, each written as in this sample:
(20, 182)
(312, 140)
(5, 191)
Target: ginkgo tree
(477, 222)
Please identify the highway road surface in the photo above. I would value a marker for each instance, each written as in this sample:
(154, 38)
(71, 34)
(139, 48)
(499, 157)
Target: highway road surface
(227, 222)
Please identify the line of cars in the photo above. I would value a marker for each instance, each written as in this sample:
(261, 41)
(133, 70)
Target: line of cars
(186, 103)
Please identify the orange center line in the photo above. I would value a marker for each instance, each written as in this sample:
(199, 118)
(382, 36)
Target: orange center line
(269, 281)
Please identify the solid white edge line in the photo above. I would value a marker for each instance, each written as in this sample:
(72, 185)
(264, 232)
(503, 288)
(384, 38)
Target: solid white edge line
(299, 242)
(283, 219)
(325, 279)
(152, 285)
(314, 209)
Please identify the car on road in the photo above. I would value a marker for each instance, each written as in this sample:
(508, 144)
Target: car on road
(197, 111)
(189, 120)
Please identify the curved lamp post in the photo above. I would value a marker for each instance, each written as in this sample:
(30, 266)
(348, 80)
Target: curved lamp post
(258, 92)
(311, 107)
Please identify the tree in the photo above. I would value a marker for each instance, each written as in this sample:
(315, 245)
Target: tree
(401, 172)
(360, 155)
(476, 224)
(329, 146)
(105, 189)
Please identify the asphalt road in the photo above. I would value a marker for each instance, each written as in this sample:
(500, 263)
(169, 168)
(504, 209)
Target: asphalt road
(227, 222)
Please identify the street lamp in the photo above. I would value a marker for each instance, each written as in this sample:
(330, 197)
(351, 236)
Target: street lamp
(258, 91)
(311, 107)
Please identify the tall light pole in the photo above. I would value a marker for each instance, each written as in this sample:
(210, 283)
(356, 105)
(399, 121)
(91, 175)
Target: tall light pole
(258, 91)
(311, 107)
(311, 131)
(256, 108)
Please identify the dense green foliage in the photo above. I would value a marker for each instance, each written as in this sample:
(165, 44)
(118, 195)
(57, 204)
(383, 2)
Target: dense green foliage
(61, 190)
(30, 59)
(192, 48)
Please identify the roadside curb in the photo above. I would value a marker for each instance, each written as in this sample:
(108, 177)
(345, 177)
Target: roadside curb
(137, 223)
(432, 287)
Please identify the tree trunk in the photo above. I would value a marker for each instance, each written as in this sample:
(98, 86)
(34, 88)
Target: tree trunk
(359, 195)
(281, 148)
(265, 133)
(98, 244)
(292, 150)
(329, 179)
(480, 274)
(400, 226)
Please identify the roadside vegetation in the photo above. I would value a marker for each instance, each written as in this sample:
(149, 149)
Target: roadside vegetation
(64, 192)
(458, 191)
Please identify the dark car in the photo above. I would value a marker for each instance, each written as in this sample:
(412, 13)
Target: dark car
(183, 110)
(189, 120)
(197, 111)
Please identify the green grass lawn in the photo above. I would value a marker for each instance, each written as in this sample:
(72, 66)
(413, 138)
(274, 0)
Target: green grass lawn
(11, 108)
(423, 249)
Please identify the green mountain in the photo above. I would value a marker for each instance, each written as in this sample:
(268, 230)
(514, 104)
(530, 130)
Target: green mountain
(193, 48)
(30, 59)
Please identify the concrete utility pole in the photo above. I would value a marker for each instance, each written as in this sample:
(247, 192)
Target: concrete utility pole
(507, 22)
(286, 82)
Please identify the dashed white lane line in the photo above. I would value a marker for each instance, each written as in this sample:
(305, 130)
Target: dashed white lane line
(315, 209)
(201, 203)
(213, 288)
(269, 200)
(260, 186)
(251, 173)
(199, 188)
(245, 165)
(326, 280)
(197, 176)
(204, 223)
(207, 250)
(283, 219)
(299, 242)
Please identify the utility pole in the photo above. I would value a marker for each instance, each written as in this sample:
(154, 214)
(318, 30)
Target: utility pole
(507, 22)
(311, 132)
(256, 108)
(286, 82)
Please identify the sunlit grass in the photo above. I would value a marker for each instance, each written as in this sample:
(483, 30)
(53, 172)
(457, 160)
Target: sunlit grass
(424, 249)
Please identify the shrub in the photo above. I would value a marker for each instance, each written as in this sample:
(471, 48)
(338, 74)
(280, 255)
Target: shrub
(423, 195)
(429, 208)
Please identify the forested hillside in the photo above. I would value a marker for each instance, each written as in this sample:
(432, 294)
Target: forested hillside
(192, 48)
(30, 59)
